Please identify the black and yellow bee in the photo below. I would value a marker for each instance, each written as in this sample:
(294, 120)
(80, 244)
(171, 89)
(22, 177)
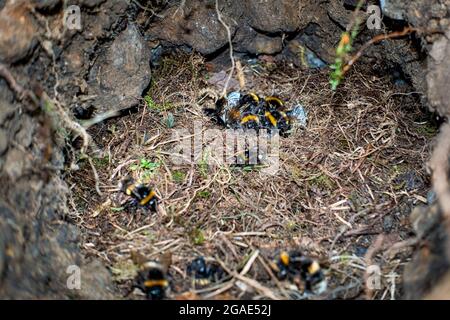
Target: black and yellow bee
(152, 277)
(253, 112)
(240, 113)
(250, 103)
(142, 195)
(276, 116)
(204, 273)
(274, 103)
(224, 114)
(152, 280)
(293, 264)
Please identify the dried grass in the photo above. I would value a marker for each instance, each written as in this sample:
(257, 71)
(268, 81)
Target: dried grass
(340, 182)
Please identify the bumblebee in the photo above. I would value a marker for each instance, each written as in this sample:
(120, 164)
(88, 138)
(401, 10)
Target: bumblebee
(250, 121)
(311, 273)
(279, 120)
(293, 264)
(152, 280)
(224, 114)
(250, 103)
(239, 112)
(274, 103)
(252, 112)
(204, 273)
(142, 195)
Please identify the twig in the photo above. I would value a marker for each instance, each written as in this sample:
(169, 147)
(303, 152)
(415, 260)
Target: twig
(253, 283)
(233, 63)
(97, 180)
(374, 40)
(21, 92)
(250, 262)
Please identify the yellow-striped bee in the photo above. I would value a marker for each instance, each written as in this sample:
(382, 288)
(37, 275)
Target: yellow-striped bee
(236, 111)
(204, 273)
(249, 111)
(152, 280)
(294, 263)
(142, 195)
(250, 103)
(275, 103)
(250, 121)
(276, 116)
(152, 275)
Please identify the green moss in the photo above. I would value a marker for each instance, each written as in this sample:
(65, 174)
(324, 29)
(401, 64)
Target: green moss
(197, 236)
(427, 130)
(178, 176)
(323, 182)
(148, 168)
(101, 162)
(204, 194)
(152, 105)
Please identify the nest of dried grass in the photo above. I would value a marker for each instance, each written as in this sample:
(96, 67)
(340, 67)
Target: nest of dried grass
(343, 193)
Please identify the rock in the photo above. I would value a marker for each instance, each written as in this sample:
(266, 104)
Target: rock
(3, 141)
(219, 80)
(37, 246)
(393, 9)
(265, 45)
(94, 276)
(429, 263)
(121, 73)
(195, 25)
(46, 5)
(18, 32)
(91, 3)
(438, 76)
(388, 223)
(276, 16)
(301, 56)
(424, 219)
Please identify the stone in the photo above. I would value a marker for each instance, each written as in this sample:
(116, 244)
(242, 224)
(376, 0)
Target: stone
(3, 141)
(18, 32)
(393, 9)
(121, 73)
(91, 3)
(276, 16)
(438, 75)
(265, 45)
(195, 25)
(46, 5)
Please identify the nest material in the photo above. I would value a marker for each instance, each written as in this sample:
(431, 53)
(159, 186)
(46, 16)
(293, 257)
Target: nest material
(352, 174)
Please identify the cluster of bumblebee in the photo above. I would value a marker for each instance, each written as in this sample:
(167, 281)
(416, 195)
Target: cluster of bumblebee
(297, 267)
(141, 195)
(250, 111)
(153, 278)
